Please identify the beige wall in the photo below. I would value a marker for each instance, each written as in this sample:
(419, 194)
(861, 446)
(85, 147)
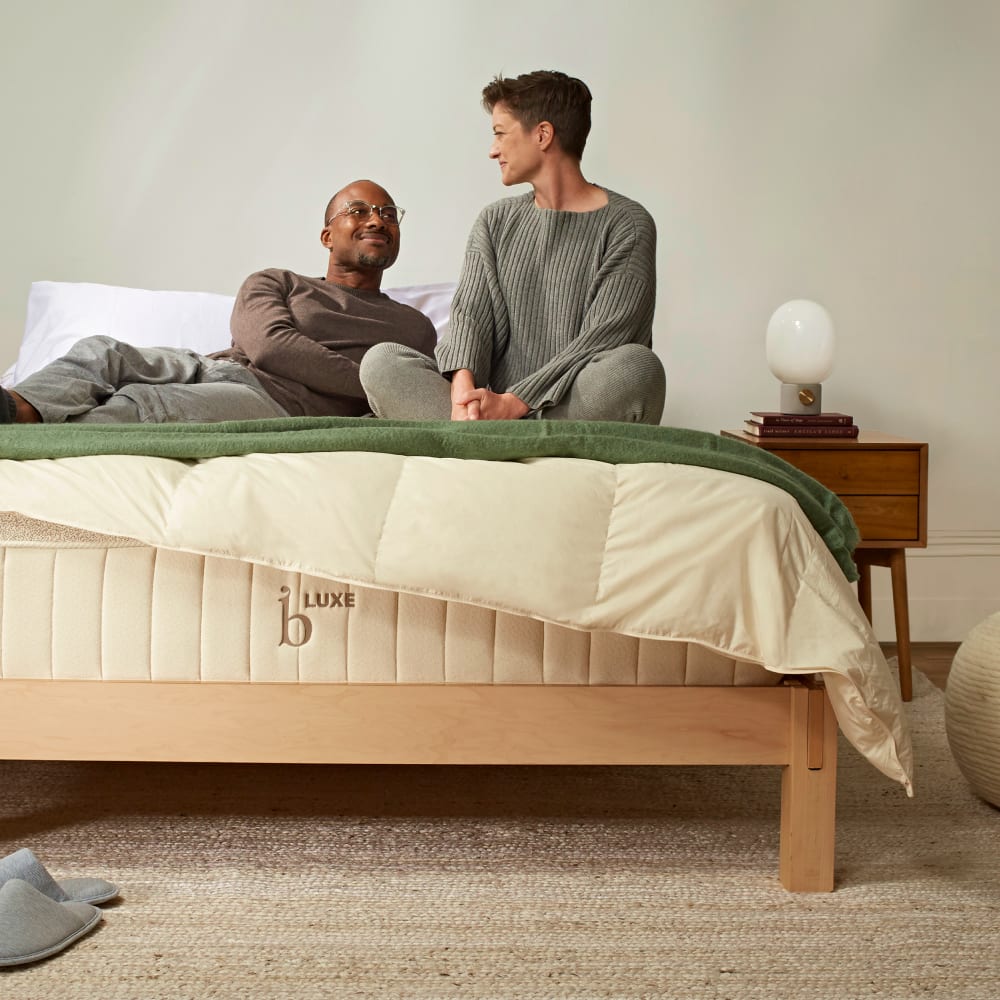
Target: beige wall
(845, 152)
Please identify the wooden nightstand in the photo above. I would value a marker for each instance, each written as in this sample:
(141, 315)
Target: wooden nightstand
(883, 482)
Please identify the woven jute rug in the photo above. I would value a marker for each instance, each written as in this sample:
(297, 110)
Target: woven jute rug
(311, 882)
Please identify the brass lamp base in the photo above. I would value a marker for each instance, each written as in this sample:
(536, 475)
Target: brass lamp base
(797, 398)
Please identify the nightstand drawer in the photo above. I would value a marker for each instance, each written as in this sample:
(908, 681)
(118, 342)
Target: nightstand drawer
(882, 480)
(894, 519)
(856, 471)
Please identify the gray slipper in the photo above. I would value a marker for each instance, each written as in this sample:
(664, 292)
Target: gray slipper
(24, 865)
(32, 926)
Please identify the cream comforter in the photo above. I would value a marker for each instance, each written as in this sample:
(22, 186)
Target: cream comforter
(666, 550)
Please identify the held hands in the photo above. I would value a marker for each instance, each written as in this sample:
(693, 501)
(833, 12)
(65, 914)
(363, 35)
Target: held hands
(482, 404)
(470, 403)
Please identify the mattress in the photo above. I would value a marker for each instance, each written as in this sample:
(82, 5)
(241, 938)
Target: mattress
(648, 550)
(81, 605)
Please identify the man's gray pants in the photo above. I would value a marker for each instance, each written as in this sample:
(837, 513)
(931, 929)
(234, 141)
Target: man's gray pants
(625, 384)
(102, 380)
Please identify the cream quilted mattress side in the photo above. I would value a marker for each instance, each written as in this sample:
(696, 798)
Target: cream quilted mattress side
(81, 605)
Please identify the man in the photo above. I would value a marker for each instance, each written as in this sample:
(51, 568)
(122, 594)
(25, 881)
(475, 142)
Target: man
(553, 313)
(297, 342)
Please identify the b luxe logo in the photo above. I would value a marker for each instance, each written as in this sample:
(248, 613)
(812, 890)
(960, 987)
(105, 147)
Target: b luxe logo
(301, 624)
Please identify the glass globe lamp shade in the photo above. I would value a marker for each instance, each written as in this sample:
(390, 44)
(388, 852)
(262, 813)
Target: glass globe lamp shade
(800, 351)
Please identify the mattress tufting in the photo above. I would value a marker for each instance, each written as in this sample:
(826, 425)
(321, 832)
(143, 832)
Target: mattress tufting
(81, 605)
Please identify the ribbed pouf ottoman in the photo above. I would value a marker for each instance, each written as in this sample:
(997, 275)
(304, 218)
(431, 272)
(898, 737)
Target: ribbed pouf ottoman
(972, 709)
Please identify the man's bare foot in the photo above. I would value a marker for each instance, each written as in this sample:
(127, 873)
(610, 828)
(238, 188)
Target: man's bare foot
(15, 409)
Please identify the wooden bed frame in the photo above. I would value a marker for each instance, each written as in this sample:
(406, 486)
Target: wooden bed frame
(791, 725)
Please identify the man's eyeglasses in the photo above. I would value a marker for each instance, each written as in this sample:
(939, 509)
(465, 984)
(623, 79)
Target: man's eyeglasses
(360, 211)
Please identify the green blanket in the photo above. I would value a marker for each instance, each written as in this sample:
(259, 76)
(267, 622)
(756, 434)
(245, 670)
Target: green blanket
(616, 443)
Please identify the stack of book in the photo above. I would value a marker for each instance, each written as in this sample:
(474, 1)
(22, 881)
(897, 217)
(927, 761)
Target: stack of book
(763, 423)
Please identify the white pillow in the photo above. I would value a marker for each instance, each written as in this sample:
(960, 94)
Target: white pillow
(60, 313)
(434, 301)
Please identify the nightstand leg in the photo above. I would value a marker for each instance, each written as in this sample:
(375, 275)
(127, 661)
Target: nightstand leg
(895, 559)
(901, 608)
(864, 584)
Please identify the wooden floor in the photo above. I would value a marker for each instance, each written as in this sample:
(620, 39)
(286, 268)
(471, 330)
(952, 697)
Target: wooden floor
(931, 658)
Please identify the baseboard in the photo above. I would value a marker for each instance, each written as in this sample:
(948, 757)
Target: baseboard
(933, 620)
(953, 585)
(960, 543)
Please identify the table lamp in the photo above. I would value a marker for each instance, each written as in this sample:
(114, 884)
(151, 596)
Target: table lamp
(800, 343)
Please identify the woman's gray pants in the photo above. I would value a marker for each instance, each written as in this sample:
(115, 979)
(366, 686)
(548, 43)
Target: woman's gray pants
(626, 383)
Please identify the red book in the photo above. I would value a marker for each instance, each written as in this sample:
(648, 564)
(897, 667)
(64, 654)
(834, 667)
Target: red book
(802, 430)
(768, 417)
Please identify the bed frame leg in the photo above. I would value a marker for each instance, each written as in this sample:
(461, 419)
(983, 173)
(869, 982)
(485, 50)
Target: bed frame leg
(809, 794)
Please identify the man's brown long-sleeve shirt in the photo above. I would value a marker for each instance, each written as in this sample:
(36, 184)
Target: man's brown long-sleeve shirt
(304, 339)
